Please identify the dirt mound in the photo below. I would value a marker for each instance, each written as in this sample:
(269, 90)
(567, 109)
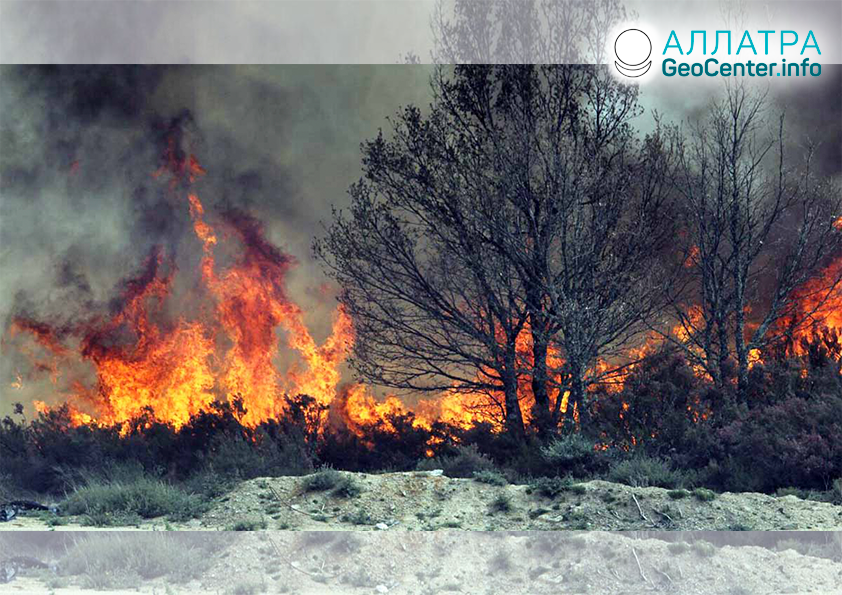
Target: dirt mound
(421, 563)
(429, 501)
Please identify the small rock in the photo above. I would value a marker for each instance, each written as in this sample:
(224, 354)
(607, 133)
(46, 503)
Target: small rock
(381, 527)
(381, 588)
(436, 473)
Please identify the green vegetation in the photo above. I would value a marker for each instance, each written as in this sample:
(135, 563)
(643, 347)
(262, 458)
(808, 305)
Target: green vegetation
(126, 502)
(644, 471)
(120, 560)
(502, 503)
(337, 483)
(249, 524)
(494, 478)
(704, 494)
(553, 487)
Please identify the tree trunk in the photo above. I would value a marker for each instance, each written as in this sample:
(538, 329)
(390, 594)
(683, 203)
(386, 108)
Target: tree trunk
(742, 355)
(542, 417)
(723, 353)
(514, 416)
(578, 395)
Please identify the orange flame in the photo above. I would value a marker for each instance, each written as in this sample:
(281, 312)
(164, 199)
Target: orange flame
(147, 360)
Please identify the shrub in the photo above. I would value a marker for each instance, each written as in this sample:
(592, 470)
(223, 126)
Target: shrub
(120, 560)
(144, 498)
(703, 549)
(347, 487)
(791, 440)
(494, 478)
(704, 494)
(322, 481)
(656, 408)
(502, 503)
(250, 524)
(359, 517)
(553, 487)
(464, 462)
(645, 471)
(574, 455)
(208, 484)
(234, 456)
(678, 494)
(836, 491)
(248, 587)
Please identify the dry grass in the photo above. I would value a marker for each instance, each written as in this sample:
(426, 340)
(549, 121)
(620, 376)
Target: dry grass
(115, 560)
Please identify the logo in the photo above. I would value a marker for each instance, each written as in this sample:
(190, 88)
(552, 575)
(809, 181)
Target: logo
(632, 48)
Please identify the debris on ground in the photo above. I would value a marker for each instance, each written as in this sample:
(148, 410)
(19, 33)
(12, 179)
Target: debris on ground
(10, 510)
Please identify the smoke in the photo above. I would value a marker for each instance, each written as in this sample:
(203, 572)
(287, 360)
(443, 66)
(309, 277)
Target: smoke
(80, 210)
(811, 105)
(814, 115)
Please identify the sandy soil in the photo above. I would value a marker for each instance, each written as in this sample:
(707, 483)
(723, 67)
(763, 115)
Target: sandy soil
(428, 501)
(453, 562)
(424, 534)
(421, 501)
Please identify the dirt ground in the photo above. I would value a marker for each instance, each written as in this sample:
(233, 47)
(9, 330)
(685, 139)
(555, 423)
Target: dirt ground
(443, 562)
(422, 533)
(424, 501)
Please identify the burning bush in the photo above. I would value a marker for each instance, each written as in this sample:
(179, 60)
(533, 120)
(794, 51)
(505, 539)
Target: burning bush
(660, 403)
(665, 428)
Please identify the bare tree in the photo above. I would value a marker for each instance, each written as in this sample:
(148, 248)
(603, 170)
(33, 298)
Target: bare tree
(522, 203)
(584, 222)
(758, 229)
(435, 307)
(522, 31)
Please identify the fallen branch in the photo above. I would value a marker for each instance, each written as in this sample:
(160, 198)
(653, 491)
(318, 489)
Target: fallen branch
(640, 568)
(665, 515)
(662, 573)
(640, 510)
(293, 507)
(294, 566)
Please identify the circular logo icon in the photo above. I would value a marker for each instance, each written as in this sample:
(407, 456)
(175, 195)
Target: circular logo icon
(633, 48)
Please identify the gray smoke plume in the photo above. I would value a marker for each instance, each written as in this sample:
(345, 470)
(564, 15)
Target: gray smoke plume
(80, 209)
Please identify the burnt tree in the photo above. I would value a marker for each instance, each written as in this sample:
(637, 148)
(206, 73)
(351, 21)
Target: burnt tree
(758, 228)
(523, 203)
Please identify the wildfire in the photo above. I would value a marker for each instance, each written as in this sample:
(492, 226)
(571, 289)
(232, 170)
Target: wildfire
(144, 360)
(226, 345)
(819, 303)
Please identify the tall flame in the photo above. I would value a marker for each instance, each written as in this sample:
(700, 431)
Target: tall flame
(146, 360)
